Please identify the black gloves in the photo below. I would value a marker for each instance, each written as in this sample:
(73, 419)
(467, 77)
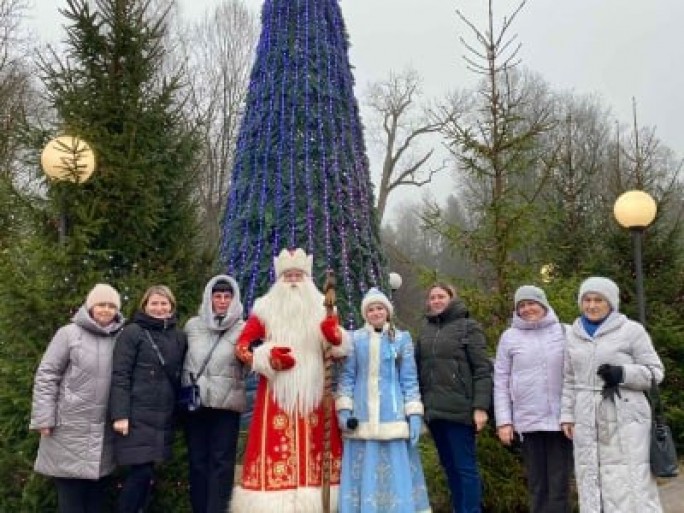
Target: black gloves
(611, 374)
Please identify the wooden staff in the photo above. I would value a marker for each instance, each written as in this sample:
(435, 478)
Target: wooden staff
(329, 303)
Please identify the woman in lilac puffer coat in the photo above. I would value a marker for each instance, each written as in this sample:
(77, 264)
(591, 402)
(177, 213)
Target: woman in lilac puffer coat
(528, 380)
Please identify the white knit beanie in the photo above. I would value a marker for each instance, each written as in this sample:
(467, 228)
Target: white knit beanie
(103, 293)
(599, 285)
(531, 293)
(373, 296)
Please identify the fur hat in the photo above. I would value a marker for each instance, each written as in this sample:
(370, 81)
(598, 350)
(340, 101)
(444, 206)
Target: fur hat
(293, 259)
(373, 296)
(531, 293)
(103, 293)
(604, 286)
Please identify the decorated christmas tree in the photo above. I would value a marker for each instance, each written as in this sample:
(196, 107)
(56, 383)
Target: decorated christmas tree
(301, 175)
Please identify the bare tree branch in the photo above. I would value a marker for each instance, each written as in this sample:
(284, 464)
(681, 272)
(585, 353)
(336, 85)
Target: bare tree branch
(394, 101)
(218, 51)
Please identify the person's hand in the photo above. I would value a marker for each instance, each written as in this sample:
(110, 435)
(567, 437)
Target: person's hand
(281, 359)
(343, 417)
(45, 431)
(568, 429)
(121, 426)
(505, 434)
(415, 423)
(611, 374)
(330, 327)
(480, 418)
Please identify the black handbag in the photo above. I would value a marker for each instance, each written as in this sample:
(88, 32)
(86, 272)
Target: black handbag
(664, 461)
(189, 395)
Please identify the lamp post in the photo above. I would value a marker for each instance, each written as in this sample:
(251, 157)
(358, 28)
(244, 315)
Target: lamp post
(67, 159)
(395, 282)
(636, 210)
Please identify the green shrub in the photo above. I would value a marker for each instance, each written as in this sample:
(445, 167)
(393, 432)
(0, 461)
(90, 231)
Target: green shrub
(502, 476)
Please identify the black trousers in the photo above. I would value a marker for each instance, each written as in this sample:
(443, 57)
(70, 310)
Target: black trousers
(135, 493)
(79, 495)
(212, 437)
(547, 456)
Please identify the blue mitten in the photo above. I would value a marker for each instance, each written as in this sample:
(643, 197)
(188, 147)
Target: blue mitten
(342, 419)
(415, 423)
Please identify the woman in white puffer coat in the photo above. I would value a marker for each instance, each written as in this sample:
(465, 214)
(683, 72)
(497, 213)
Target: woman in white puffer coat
(609, 364)
(212, 430)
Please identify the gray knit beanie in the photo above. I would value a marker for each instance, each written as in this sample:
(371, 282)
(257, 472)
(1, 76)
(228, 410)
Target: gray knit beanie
(599, 285)
(531, 293)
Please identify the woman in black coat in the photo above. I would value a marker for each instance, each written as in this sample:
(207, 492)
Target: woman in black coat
(455, 377)
(148, 358)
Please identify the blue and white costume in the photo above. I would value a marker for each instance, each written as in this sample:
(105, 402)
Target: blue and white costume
(378, 384)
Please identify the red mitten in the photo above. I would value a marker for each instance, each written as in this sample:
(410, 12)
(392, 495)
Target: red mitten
(281, 359)
(330, 326)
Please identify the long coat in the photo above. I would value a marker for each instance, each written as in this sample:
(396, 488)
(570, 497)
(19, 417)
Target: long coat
(144, 391)
(612, 435)
(378, 383)
(70, 396)
(222, 383)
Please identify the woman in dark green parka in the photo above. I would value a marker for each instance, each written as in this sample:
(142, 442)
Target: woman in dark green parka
(455, 376)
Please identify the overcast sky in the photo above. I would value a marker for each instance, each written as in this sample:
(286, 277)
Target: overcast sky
(618, 49)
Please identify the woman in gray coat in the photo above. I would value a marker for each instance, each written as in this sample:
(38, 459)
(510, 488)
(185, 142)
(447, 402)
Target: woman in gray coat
(609, 363)
(70, 396)
(212, 430)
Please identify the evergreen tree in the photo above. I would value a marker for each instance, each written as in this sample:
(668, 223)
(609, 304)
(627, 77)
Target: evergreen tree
(132, 224)
(301, 173)
(135, 216)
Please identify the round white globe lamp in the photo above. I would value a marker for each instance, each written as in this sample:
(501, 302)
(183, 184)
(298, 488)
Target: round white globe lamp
(68, 158)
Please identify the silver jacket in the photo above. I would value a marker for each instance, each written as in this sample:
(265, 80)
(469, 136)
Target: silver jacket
(222, 384)
(70, 395)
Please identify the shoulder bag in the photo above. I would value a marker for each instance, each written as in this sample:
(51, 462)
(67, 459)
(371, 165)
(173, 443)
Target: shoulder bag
(189, 396)
(664, 461)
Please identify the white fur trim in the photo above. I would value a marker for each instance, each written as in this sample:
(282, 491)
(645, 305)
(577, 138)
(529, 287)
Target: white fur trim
(413, 408)
(344, 403)
(342, 349)
(373, 381)
(299, 500)
(383, 431)
(296, 259)
(261, 360)
(292, 318)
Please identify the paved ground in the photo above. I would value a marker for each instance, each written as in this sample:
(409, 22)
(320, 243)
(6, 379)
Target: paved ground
(672, 494)
(671, 491)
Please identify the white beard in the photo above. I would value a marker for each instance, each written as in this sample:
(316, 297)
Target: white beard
(292, 316)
